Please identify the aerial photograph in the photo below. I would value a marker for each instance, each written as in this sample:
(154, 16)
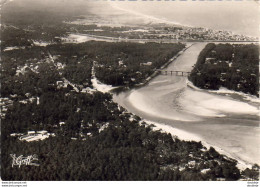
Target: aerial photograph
(100, 90)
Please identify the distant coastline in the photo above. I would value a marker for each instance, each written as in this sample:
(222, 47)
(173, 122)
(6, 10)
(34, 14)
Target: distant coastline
(80, 37)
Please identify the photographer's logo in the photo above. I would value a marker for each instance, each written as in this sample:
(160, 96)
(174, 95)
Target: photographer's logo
(24, 160)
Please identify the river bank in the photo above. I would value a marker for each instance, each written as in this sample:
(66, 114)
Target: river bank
(186, 136)
(156, 73)
(235, 134)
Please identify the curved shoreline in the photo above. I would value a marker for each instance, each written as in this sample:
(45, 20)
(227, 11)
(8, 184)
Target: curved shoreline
(223, 90)
(216, 132)
(185, 135)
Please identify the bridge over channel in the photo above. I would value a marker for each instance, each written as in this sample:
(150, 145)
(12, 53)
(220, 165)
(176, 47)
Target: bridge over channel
(173, 72)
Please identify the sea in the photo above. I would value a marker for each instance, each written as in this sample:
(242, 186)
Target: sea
(240, 17)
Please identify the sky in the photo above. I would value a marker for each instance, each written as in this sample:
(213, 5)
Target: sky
(241, 17)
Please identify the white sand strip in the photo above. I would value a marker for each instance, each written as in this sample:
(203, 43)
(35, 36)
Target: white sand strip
(183, 135)
(104, 88)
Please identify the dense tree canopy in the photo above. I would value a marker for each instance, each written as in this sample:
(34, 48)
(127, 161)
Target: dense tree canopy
(95, 139)
(235, 67)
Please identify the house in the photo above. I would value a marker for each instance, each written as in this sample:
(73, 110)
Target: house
(59, 83)
(209, 60)
(146, 64)
(31, 132)
(43, 132)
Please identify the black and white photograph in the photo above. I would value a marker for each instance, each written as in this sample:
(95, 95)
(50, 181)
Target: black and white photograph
(130, 90)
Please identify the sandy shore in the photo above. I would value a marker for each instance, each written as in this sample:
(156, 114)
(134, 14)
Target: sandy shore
(235, 141)
(228, 124)
(183, 135)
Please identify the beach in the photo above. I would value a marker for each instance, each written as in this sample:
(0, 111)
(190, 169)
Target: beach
(229, 124)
